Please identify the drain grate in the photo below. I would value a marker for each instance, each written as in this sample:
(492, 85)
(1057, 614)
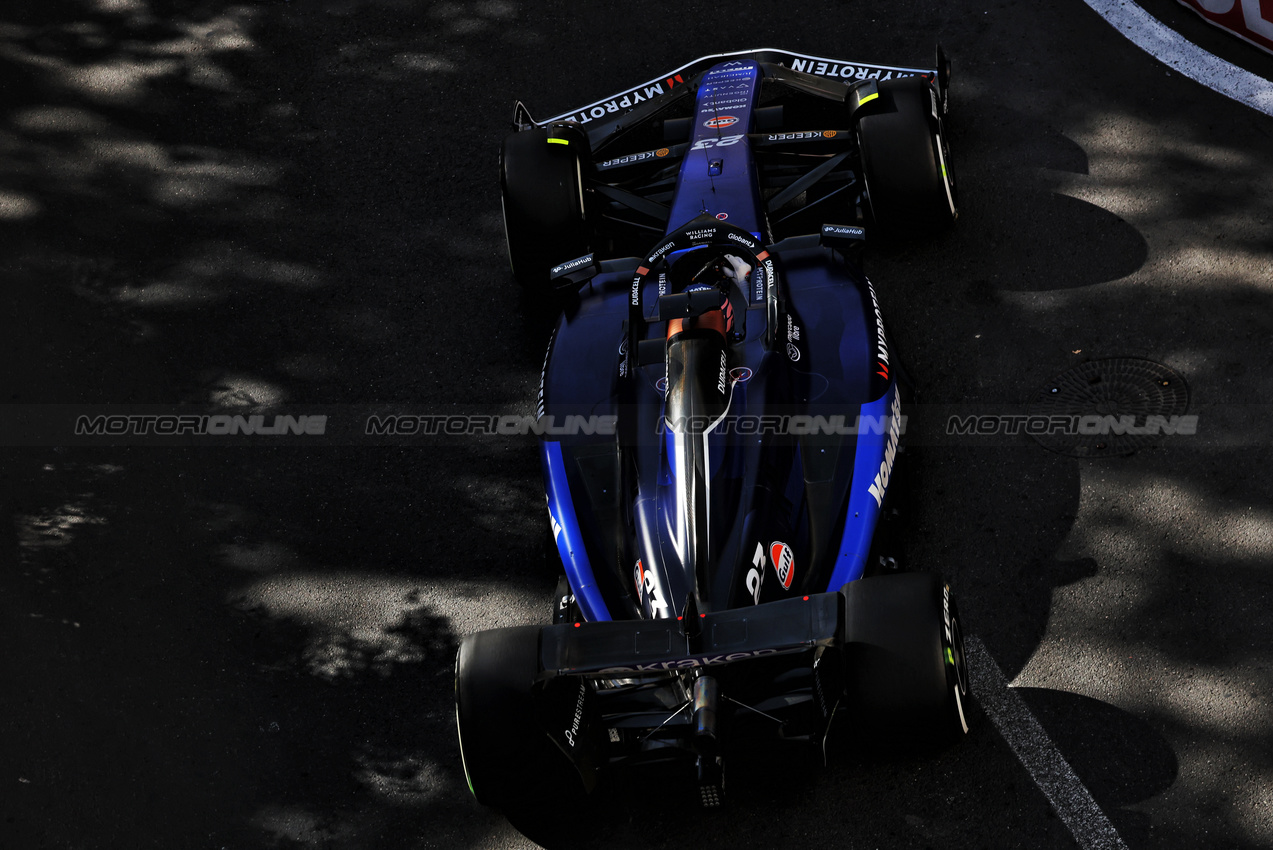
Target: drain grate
(1111, 406)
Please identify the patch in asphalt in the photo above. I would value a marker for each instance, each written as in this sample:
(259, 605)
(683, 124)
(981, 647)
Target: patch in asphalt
(1114, 406)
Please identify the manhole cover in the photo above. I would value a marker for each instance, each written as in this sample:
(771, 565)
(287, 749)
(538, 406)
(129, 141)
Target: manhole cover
(1108, 407)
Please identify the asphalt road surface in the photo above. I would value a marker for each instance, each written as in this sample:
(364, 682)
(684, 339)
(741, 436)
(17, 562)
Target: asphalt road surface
(253, 206)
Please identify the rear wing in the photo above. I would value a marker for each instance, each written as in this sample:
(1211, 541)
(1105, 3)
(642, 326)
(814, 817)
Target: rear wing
(651, 647)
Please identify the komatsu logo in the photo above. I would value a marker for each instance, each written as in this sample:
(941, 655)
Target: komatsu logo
(880, 484)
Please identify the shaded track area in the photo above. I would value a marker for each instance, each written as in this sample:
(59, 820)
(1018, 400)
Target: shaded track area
(241, 206)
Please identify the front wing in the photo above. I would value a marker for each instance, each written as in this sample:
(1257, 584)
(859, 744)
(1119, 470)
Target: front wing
(608, 109)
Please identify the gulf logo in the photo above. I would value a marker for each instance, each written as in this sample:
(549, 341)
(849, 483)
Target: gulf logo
(720, 121)
(784, 563)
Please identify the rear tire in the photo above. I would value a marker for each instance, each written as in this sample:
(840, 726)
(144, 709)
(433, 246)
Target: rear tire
(545, 220)
(910, 185)
(905, 667)
(509, 761)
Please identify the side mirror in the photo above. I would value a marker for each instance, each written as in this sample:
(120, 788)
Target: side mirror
(574, 273)
(848, 239)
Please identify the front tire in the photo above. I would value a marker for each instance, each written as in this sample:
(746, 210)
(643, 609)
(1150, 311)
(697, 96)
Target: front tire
(910, 184)
(545, 219)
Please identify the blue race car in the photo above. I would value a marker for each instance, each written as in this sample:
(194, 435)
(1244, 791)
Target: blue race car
(720, 418)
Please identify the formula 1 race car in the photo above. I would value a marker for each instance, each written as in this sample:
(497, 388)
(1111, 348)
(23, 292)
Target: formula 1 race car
(720, 418)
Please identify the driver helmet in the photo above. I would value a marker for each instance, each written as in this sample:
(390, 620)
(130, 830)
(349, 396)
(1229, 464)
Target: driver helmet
(723, 272)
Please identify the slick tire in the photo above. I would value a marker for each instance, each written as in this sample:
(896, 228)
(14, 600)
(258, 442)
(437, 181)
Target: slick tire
(509, 761)
(545, 218)
(910, 184)
(905, 668)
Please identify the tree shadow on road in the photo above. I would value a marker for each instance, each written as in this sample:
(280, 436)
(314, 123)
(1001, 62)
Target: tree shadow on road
(247, 206)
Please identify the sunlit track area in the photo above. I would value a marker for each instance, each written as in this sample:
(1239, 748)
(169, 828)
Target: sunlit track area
(1245, 21)
(240, 238)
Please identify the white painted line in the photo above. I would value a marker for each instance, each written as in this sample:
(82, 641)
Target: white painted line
(1175, 51)
(1051, 772)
